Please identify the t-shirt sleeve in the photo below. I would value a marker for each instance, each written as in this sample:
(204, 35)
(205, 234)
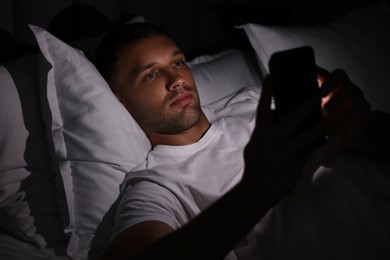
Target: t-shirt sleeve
(147, 201)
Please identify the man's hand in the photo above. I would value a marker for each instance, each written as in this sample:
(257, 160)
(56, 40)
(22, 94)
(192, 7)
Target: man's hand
(350, 121)
(276, 155)
(345, 109)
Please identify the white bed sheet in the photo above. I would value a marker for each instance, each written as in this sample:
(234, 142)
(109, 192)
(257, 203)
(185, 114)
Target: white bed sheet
(14, 249)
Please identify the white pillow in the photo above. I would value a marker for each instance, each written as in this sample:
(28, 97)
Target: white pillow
(358, 43)
(219, 75)
(95, 140)
(28, 208)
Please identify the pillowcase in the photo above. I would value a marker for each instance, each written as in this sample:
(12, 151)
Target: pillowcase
(94, 141)
(28, 208)
(221, 74)
(358, 43)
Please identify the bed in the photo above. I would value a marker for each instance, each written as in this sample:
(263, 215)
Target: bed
(66, 143)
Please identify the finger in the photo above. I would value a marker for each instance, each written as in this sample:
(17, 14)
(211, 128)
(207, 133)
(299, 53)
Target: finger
(335, 78)
(343, 97)
(322, 74)
(338, 99)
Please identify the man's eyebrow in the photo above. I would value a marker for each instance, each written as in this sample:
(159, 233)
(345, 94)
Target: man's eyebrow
(177, 52)
(137, 70)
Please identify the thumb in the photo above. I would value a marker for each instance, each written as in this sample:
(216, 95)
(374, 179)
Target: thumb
(322, 74)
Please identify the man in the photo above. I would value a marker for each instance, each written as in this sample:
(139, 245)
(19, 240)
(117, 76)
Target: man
(208, 180)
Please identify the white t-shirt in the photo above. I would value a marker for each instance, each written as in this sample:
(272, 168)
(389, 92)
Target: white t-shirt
(177, 182)
(340, 209)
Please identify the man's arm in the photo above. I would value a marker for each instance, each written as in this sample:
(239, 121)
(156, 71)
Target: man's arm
(211, 235)
(274, 160)
(136, 238)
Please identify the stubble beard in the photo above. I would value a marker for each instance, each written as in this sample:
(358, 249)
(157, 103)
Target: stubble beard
(176, 123)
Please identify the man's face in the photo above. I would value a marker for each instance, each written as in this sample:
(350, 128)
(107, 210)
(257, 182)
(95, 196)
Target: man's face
(157, 87)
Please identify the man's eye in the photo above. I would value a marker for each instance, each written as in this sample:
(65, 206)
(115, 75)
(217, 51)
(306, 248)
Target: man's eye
(151, 75)
(179, 63)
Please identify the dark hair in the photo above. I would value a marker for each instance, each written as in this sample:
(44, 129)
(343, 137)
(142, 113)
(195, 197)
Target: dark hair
(113, 42)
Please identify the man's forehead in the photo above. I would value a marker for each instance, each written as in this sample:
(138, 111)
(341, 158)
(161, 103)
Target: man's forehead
(153, 58)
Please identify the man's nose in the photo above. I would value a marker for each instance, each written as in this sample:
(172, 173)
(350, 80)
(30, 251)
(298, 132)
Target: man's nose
(175, 80)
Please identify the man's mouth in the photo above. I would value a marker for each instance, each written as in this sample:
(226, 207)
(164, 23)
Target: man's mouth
(182, 100)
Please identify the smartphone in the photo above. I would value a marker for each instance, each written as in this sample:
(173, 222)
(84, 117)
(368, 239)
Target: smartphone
(294, 74)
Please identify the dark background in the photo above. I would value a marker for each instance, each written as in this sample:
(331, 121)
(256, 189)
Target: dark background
(198, 26)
